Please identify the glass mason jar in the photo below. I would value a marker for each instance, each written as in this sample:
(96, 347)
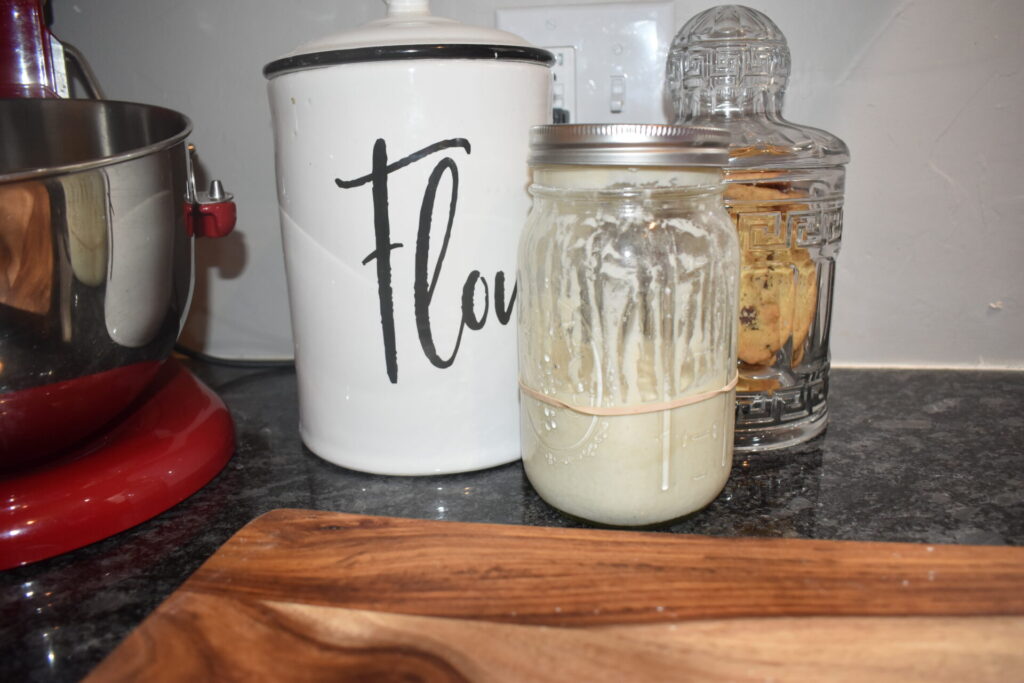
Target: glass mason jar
(628, 284)
(728, 67)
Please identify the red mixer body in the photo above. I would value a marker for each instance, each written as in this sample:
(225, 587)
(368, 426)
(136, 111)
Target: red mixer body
(89, 456)
(31, 61)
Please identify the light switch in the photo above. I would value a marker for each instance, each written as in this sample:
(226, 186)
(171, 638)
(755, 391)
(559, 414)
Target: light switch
(618, 94)
(563, 91)
(609, 46)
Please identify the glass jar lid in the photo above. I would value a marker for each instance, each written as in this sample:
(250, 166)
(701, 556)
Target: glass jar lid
(730, 52)
(728, 67)
(628, 144)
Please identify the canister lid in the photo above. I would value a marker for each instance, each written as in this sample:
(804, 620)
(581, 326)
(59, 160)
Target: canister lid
(409, 31)
(628, 144)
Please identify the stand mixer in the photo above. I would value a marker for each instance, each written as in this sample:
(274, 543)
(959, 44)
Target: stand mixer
(99, 429)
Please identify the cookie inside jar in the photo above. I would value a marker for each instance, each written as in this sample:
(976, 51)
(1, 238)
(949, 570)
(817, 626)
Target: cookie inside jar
(778, 279)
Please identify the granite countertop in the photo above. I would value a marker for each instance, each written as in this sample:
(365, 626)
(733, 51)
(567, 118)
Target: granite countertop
(918, 456)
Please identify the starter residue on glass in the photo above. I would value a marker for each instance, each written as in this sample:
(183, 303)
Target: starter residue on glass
(621, 308)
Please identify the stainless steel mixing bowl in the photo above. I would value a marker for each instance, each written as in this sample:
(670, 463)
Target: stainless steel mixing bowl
(95, 264)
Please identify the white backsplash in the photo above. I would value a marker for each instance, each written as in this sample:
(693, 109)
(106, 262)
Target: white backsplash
(928, 96)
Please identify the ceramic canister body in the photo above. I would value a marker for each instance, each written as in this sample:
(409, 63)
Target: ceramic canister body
(403, 188)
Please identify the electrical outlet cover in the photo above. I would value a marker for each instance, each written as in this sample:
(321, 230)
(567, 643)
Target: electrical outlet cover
(619, 49)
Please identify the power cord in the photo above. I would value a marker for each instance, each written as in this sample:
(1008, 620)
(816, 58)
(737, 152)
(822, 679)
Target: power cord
(232, 362)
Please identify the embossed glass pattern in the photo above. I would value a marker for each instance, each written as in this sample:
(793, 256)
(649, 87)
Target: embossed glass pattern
(728, 67)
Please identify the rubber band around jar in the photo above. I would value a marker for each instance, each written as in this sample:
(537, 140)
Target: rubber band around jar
(631, 410)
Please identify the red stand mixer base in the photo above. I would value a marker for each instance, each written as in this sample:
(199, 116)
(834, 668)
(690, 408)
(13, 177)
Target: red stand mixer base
(173, 443)
(51, 420)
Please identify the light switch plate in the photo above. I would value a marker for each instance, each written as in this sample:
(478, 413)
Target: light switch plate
(618, 51)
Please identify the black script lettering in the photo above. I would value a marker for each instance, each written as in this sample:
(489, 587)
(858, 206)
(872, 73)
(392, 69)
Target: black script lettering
(425, 275)
(378, 177)
(469, 318)
(382, 254)
(423, 292)
(501, 311)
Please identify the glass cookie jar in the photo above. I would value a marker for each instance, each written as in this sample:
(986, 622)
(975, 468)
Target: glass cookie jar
(628, 285)
(728, 67)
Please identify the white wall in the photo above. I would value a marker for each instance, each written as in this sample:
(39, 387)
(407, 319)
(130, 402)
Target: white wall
(929, 96)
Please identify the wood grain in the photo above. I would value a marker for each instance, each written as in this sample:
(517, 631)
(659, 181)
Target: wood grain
(312, 595)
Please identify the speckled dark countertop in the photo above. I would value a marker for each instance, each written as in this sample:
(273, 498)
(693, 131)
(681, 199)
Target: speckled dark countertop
(919, 456)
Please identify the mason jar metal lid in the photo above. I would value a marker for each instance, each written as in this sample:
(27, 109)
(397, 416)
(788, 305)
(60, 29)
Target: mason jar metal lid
(628, 144)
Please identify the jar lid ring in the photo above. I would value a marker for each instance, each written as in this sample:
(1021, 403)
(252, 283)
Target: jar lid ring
(628, 144)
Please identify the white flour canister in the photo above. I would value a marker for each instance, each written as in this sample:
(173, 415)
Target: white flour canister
(402, 182)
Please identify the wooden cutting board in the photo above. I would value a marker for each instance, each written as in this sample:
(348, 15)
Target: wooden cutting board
(303, 595)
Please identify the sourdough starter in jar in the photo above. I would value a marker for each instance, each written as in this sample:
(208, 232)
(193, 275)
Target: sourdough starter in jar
(628, 280)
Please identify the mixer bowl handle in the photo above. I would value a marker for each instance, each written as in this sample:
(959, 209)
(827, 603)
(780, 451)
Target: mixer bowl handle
(207, 214)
